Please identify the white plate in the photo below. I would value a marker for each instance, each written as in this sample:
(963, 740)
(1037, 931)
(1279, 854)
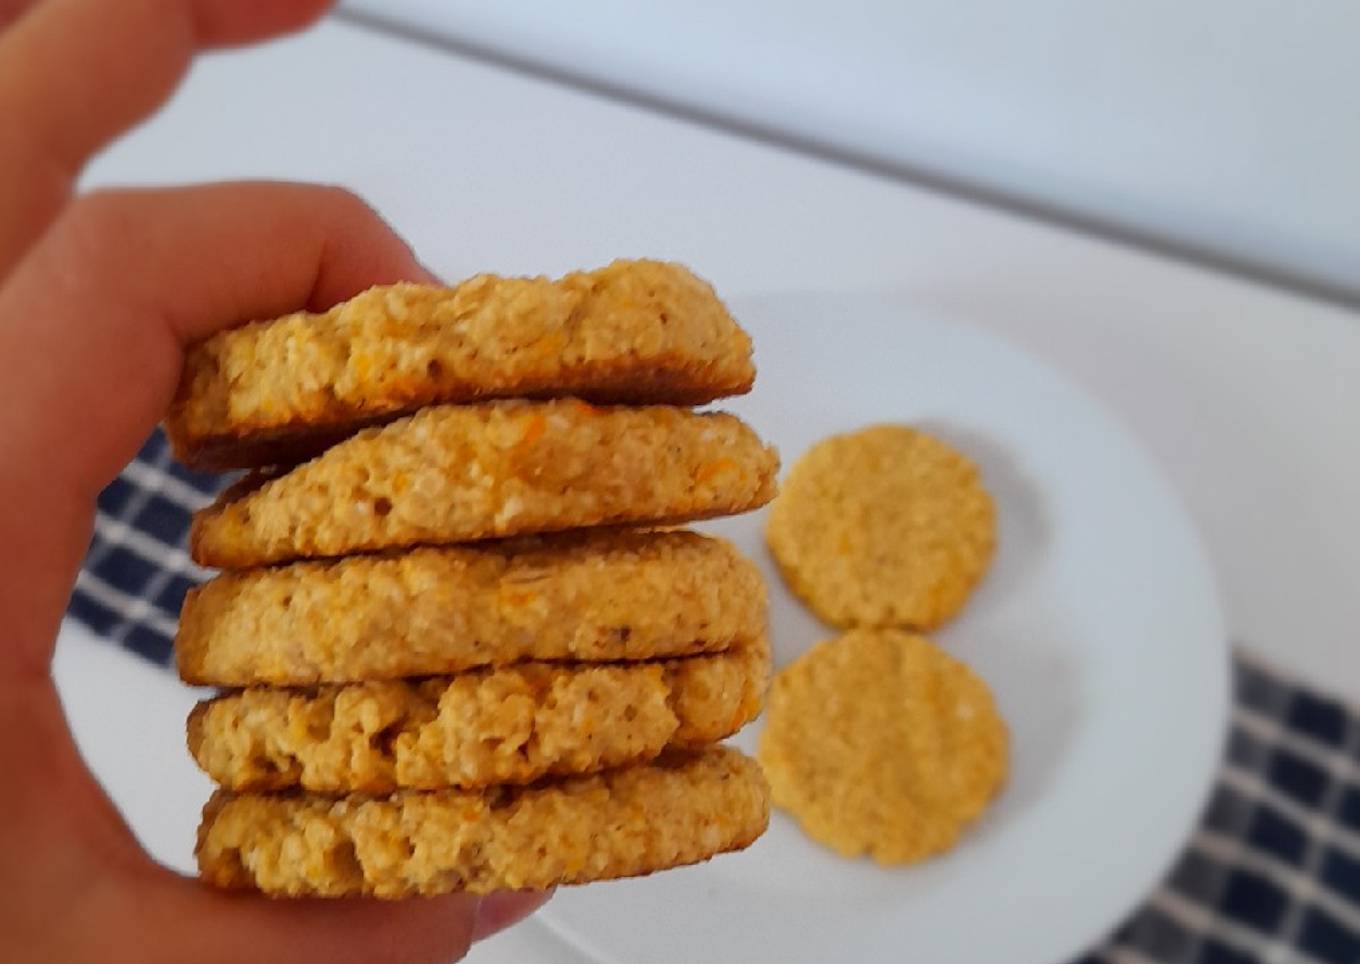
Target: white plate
(1098, 628)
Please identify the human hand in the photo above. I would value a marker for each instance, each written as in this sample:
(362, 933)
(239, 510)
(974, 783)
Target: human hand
(99, 295)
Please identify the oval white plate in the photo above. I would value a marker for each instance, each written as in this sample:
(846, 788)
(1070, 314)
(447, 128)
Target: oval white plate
(1098, 629)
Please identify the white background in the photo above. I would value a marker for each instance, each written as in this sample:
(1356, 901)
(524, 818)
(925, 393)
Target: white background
(1231, 126)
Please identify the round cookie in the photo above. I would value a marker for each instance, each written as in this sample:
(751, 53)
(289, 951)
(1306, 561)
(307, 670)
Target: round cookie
(510, 725)
(881, 743)
(606, 594)
(279, 391)
(887, 526)
(681, 809)
(461, 473)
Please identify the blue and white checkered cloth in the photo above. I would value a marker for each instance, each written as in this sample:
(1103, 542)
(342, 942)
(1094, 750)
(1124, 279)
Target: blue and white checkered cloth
(138, 568)
(1272, 876)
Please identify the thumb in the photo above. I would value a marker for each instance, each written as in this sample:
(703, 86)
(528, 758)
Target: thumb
(89, 893)
(191, 922)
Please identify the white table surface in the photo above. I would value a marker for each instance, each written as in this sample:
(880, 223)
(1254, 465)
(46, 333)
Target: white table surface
(1230, 126)
(1249, 397)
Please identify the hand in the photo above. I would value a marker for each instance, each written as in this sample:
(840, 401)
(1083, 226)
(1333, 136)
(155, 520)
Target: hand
(99, 295)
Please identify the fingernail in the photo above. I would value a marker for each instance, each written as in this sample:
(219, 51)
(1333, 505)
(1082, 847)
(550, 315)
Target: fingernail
(499, 910)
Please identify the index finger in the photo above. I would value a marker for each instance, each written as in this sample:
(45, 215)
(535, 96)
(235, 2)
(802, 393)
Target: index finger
(74, 74)
(94, 322)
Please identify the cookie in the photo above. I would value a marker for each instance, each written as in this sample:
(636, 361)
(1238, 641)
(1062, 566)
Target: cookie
(681, 809)
(462, 473)
(279, 391)
(883, 527)
(879, 742)
(607, 594)
(511, 725)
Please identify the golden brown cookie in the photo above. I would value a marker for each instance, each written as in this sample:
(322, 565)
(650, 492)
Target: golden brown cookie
(879, 742)
(279, 391)
(462, 473)
(887, 526)
(607, 594)
(510, 725)
(681, 809)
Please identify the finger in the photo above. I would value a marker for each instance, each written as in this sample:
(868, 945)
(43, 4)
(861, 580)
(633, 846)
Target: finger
(79, 856)
(94, 322)
(104, 307)
(206, 925)
(76, 73)
(505, 909)
(194, 923)
(12, 10)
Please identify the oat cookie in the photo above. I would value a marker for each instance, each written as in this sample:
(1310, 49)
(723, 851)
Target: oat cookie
(681, 809)
(606, 594)
(887, 526)
(510, 725)
(461, 473)
(879, 742)
(278, 391)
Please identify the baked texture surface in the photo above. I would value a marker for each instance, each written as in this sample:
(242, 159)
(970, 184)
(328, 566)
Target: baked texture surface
(505, 726)
(462, 473)
(281, 390)
(607, 594)
(681, 809)
(887, 526)
(879, 742)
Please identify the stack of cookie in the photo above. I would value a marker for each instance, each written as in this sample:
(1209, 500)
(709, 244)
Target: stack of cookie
(462, 649)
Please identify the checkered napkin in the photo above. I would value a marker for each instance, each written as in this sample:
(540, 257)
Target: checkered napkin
(1271, 876)
(138, 568)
